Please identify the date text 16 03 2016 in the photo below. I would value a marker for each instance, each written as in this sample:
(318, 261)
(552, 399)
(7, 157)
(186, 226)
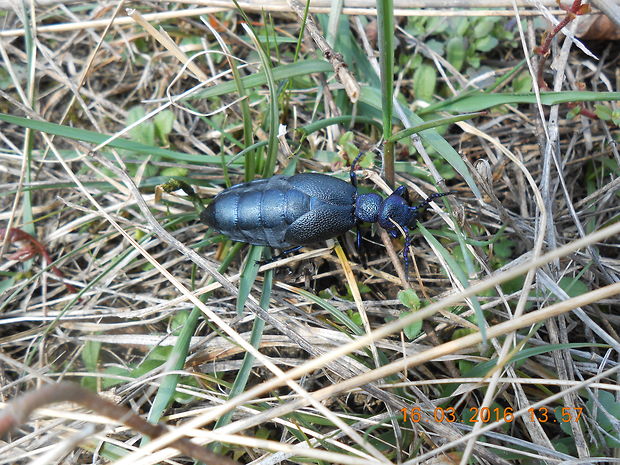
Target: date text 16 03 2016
(489, 415)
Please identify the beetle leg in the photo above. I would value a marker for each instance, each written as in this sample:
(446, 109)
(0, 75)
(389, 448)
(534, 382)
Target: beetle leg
(280, 255)
(352, 172)
(353, 177)
(408, 239)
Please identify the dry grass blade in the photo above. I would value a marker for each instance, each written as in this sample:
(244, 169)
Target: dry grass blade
(17, 412)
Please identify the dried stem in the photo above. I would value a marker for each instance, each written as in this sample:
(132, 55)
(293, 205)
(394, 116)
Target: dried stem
(18, 411)
(576, 9)
(351, 86)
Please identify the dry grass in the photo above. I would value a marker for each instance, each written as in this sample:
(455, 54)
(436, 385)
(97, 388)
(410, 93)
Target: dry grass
(536, 254)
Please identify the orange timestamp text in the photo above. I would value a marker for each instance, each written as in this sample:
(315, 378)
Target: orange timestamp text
(489, 415)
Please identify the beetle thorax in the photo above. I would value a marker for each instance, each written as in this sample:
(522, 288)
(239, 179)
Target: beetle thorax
(394, 210)
(367, 207)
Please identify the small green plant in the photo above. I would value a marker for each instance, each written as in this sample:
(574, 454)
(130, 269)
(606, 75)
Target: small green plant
(411, 300)
(153, 132)
(463, 42)
(607, 114)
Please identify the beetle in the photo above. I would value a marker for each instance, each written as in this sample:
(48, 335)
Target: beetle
(289, 212)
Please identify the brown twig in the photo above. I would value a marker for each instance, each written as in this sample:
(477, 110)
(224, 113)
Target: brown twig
(32, 248)
(576, 9)
(350, 84)
(19, 410)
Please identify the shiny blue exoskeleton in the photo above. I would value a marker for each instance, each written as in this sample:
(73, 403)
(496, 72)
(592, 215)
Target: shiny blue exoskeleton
(288, 212)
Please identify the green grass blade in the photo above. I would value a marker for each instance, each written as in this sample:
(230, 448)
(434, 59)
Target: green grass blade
(483, 368)
(31, 86)
(385, 29)
(460, 275)
(168, 385)
(274, 122)
(97, 138)
(248, 276)
(338, 315)
(481, 101)
(432, 124)
(250, 159)
(344, 119)
(429, 136)
(248, 360)
(279, 73)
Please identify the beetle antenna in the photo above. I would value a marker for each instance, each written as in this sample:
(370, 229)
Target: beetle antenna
(432, 197)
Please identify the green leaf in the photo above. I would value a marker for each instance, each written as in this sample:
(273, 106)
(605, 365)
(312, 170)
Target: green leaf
(424, 82)
(503, 248)
(416, 61)
(145, 131)
(522, 83)
(604, 399)
(462, 26)
(603, 111)
(609, 403)
(411, 331)
(436, 46)
(573, 112)
(486, 44)
(356, 318)
(163, 125)
(90, 355)
(573, 286)
(456, 52)
(484, 27)
(174, 172)
(409, 299)
(6, 284)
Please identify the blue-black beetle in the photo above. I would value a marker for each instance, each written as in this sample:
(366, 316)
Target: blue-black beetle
(288, 212)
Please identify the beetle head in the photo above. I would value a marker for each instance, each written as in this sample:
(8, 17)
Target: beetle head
(394, 208)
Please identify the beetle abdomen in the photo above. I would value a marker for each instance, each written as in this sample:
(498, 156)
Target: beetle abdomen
(257, 212)
(323, 221)
(283, 211)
